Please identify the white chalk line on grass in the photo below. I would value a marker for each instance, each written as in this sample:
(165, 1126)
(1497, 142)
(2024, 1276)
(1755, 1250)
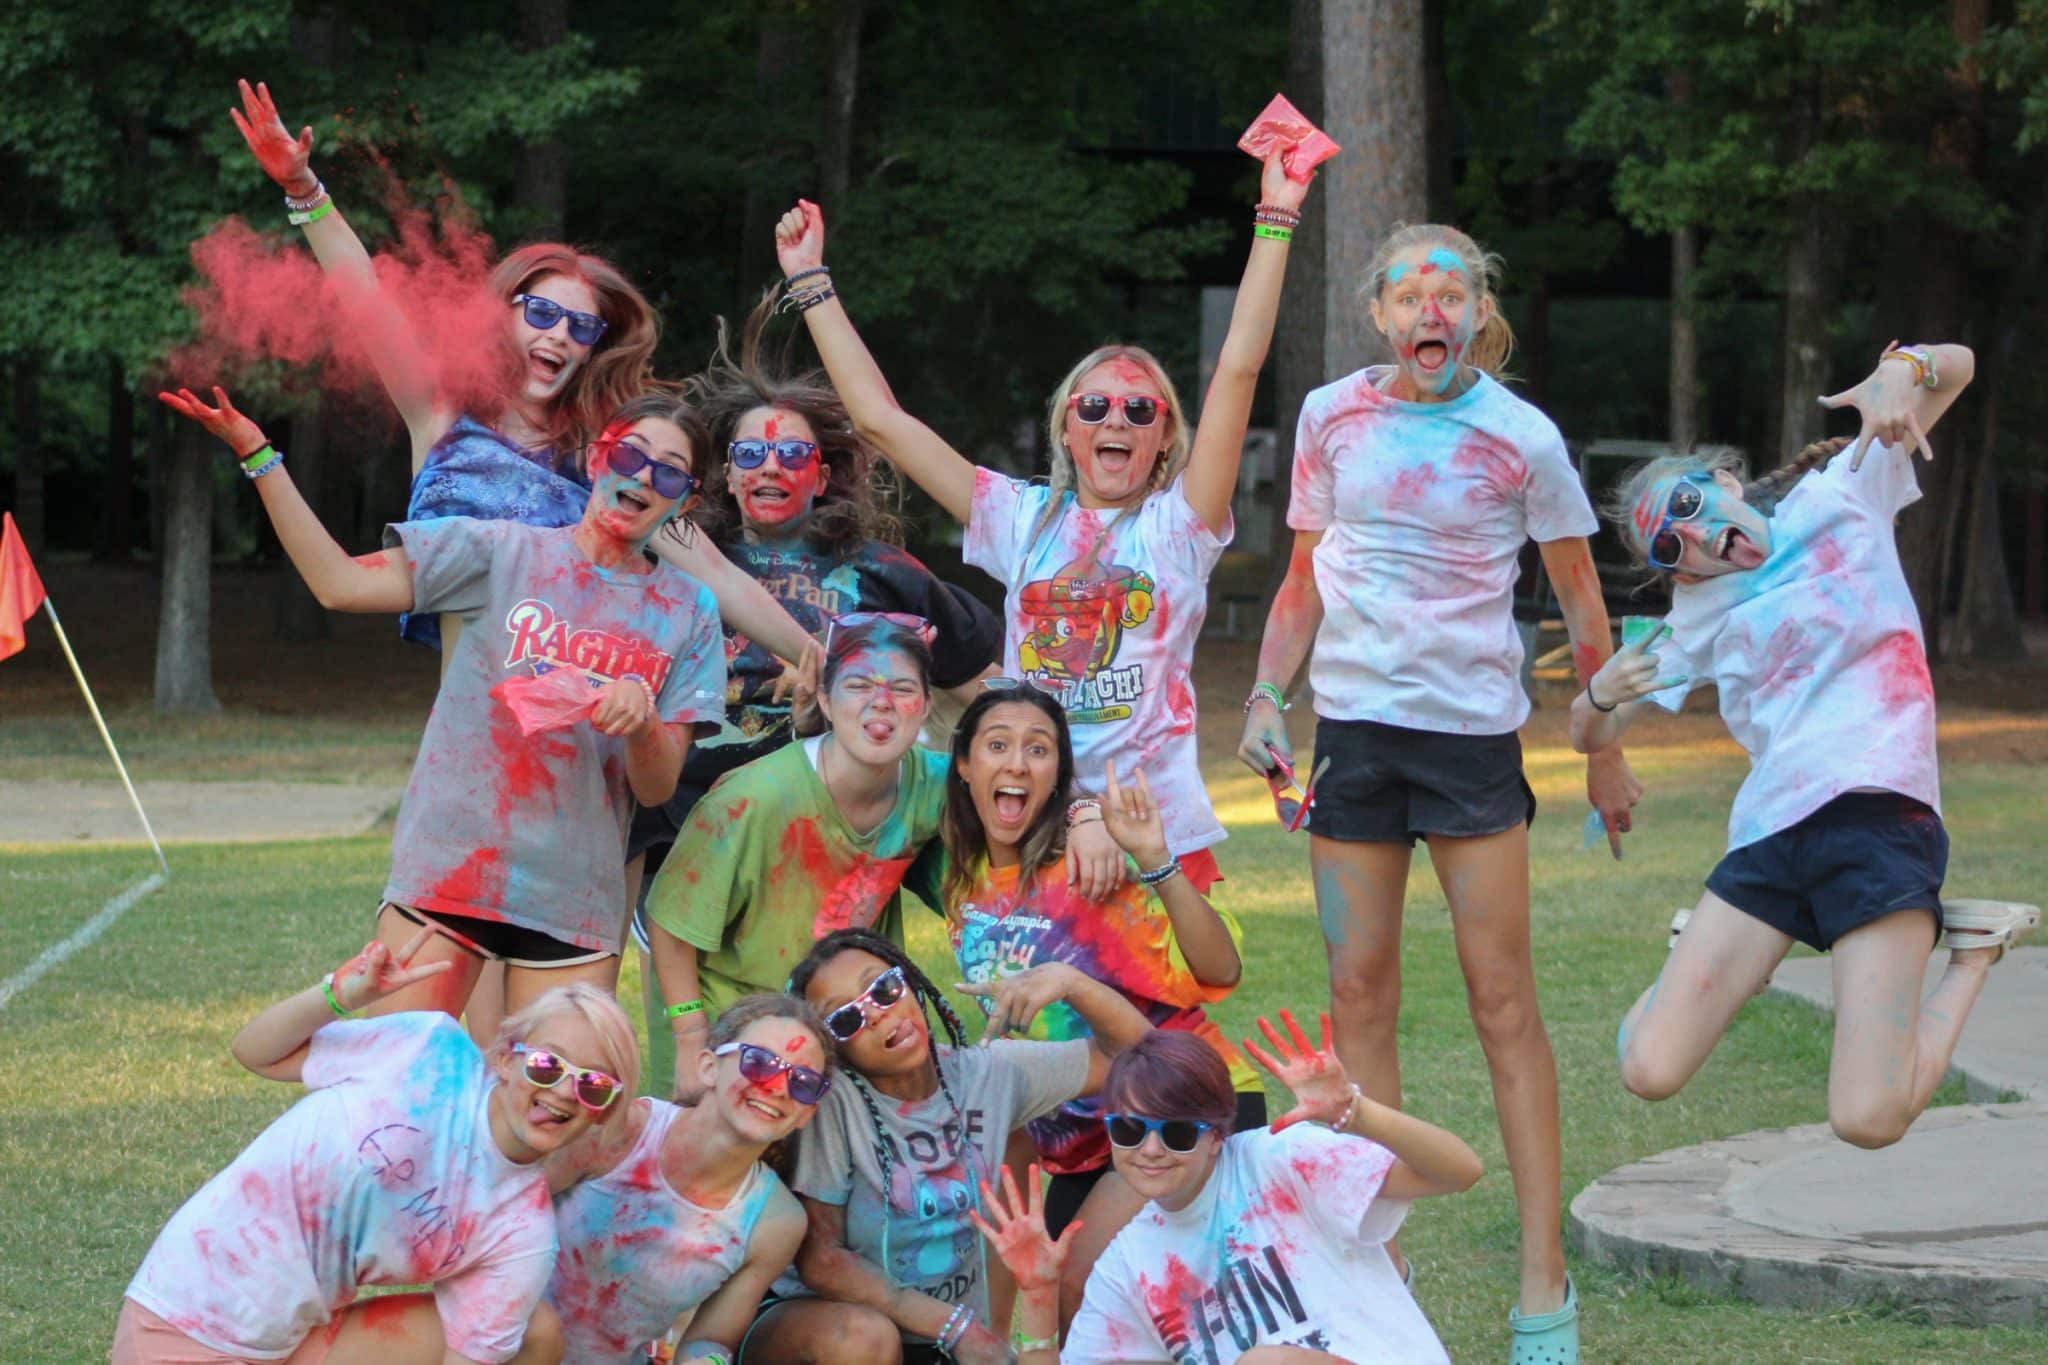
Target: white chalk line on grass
(81, 938)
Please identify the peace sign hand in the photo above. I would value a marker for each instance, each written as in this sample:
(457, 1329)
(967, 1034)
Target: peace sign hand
(242, 436)
(376, 971)
(284, 158)
(1015, 1227)
(1888, 401)
(1132, 817)
(1630, 673)
(1322, 1092)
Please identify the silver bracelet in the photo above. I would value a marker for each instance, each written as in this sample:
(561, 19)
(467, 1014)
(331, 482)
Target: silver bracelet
(310, 201)
(1160, 873)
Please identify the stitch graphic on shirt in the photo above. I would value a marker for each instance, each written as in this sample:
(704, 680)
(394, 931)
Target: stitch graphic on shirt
(1076, 620)
(547, 642)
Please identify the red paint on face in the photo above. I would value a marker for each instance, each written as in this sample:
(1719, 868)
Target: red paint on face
(768, 428)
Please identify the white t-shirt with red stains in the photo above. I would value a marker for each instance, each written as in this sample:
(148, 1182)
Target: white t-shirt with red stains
(386, 1173)
(1817, 651)
(1424, 508)
(1284, 1246)
(1102, 609)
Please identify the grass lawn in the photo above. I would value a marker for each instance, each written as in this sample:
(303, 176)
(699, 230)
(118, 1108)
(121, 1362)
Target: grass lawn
(121, 1099)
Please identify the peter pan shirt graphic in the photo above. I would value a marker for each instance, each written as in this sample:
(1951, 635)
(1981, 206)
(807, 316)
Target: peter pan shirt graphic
(1075, 624)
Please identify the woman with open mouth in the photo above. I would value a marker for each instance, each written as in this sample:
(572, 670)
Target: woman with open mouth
(513, 843)
(793, 504)
(1253, 1243)
(892, 1267)
(816, 836)
(1787, 594)
(1416, 487)
(413, 1159)
(1106, 568)
(683, 1214)
(1010, 907)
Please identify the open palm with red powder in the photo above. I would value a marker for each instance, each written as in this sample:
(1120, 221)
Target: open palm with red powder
(1322, 1092)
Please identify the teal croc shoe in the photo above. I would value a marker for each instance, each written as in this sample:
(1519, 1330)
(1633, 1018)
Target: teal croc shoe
(1547, 1338)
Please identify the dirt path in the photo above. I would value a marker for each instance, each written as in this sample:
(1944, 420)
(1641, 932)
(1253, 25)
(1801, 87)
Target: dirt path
(55, 812)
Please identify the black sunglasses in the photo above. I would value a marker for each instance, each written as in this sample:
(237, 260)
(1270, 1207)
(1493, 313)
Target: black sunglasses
(1666, 545)
(851, 1017)
(1140, 410)
(761, 1066)
(625, 459)
(791, 455)
(1178, 1136)
(585, 329)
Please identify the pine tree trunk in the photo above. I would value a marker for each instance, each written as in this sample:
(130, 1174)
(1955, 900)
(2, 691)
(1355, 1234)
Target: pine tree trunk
(1685, 340)
(541, 182)
(116, 519)
(778, 48)
(1375, 84)
(842, 80)
(1803, 350)
(30, 498)
(184, 646)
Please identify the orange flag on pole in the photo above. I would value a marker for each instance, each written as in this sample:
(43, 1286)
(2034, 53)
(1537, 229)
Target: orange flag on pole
(21, 591)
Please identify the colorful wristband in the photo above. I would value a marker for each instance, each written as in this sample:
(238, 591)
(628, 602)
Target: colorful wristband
(1273, 233)
(333, 1003)
(677, 1011)
(1082, 810)
(1271, 692)
(1160, 873)
(1029, 1344)
(314, 215)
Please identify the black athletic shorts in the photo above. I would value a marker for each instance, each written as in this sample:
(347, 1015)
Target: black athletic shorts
(1862, 856)
(1390, 784)
(496, 941)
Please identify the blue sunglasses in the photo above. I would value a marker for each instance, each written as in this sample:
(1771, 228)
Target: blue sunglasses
(1179, 1136)
(585, 329)
(791, 455)
(626, 460)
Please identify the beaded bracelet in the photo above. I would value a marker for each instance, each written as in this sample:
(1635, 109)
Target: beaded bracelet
(1343, 1122)
(301, 205)
(1278, 211)
(957, 1323)
(1159, 874)
(1922, 361)
(299, 219)
(806, 274)
(1084, 809)
(1271, 692)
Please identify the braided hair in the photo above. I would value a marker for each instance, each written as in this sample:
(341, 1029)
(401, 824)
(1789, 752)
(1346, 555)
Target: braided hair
(1763, 493)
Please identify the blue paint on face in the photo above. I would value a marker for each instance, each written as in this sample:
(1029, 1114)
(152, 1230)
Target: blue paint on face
(1443, 258)
(1396, 271)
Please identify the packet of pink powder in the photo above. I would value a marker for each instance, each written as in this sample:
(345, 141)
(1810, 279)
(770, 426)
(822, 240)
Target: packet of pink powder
(553, 700)
(1303, 146)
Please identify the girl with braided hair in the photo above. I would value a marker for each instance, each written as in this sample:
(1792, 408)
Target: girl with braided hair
(1787, 594)
(888, 1171)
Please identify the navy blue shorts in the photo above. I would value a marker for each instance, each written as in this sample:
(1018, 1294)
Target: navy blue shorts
(1391, 784)
(1860, 857)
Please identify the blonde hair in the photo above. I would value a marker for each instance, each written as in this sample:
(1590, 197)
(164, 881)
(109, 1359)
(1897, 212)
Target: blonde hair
(1173, 451)
(619, 1050)
(1495, 342)
(1763, 493)
(622, 362)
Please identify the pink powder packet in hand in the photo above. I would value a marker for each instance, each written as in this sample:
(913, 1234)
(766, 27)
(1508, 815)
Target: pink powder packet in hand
(553, 700)
(1303, 146)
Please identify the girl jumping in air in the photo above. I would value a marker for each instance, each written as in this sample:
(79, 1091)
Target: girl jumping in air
(413, 1159)
(1416, 486)
(513, 843)
(1106, 568)
(1787, 594)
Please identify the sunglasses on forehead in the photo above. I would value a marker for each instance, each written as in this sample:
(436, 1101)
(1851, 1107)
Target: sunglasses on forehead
(761, 1066)
(594, 1090)
(626, 460)
(1665, 544)
(1140, 409)
(1179, 1136)
(902, 620)
(585, 329)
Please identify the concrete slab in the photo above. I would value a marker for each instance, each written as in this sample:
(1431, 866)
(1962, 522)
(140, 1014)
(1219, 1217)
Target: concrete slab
(38, 812)
(2004, 1049)
(1953, 1218)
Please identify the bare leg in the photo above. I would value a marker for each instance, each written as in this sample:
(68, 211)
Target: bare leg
(1486, 881)
(1891, 1049)
(1360, 889)
(1110, 1205)
(486, 1008)
(658, 1067)
(1722, 959)
(447, 992)
(524, 985)
(405, 1329)
(819, 1332)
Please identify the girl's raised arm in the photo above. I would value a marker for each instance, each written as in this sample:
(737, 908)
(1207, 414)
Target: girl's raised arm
(917, 450)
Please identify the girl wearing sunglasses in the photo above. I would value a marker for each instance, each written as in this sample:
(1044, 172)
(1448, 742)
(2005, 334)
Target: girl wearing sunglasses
(1266, 1243)
(888, 1173)
(1106, 568)
(684, 1214)
(814, 837)
(1010, 907)
(514, 843)
(1417, 486)
(793, 503)
(413, 1159)
(1787, 594)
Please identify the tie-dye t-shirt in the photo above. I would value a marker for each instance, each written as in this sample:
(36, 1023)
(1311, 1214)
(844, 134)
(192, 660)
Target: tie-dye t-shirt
(1424, 508)
(530, 829)
(1284, 1246)
(385, 1173)
(476, 471)
(922, 1238)
(636, 1255)
(1102, 610)
(1817, 651)
(1126, 941)
(767, 866)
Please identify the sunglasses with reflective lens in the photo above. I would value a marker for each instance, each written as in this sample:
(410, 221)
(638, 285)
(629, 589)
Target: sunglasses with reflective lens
(585, 329)
(1178, 1136)
(761, 1066)
(626, 460)
(1666, 545)
(1140, 409)
(850, 1018)
(595, 1090)
(791, 455)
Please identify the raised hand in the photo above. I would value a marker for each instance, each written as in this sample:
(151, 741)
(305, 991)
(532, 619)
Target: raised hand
(284, 158)
(800, 238)
(1888, 402)
(625, 707)
(1631, 673)
(1278, 188)
(1015, 1229)
(1322, 1091)
(376, 971)
(1132, 818)
(242, 436)
(1018, 999)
